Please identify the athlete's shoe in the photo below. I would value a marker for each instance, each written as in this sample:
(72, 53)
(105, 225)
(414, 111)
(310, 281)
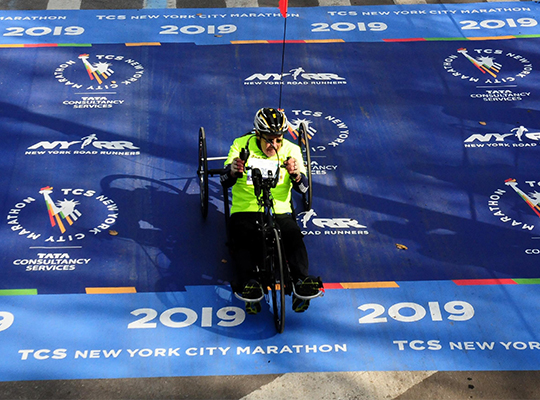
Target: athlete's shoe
(252, 295)
(305, 290)
(253, 307)
(308, 287)
(252, 291)
(299, 305)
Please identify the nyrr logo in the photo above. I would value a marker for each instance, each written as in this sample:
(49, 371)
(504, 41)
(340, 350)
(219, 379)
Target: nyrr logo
(99, 72)
(517, 137)
(510, 205)
(57, 220)
(313, 225)
(88, 145)
(315, 121)
(296, 76)
(487, 66)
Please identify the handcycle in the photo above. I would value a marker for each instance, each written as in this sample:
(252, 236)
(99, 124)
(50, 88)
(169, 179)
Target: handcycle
(272, 272)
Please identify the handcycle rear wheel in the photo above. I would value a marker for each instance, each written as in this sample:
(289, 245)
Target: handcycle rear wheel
(303, 142)
(278, 284)
(202, 173)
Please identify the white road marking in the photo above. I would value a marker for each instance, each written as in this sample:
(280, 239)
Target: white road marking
(342, 385)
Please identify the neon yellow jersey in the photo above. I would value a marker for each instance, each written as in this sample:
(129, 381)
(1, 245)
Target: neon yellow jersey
(243, 193)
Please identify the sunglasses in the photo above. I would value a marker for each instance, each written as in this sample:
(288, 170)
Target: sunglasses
(275, 140)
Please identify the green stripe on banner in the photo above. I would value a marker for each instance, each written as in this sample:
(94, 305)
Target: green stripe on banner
(531, 281)
(74, 45)
(18, 292)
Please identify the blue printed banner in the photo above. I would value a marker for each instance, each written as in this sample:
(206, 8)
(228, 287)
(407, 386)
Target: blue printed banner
(425, 213)
(204, 331)
(223, 26)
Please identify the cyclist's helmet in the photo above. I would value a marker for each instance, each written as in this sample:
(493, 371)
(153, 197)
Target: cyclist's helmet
(270, 121)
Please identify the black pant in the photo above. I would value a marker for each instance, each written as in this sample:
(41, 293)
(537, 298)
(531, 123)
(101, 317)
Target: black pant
(246, 245)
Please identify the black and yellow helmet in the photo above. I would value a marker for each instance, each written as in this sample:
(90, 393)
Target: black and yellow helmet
(270, 121)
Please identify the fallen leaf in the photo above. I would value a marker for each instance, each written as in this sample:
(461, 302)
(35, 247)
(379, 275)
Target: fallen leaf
(401, 246)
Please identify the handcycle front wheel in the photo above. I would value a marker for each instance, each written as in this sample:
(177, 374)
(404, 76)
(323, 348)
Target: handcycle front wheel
(303, 142)
(202, 173)
(278, 284)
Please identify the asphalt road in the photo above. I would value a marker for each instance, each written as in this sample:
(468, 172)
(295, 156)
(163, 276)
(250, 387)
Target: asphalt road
(347, 385)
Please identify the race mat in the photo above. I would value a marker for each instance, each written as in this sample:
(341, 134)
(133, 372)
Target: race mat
(424, 126)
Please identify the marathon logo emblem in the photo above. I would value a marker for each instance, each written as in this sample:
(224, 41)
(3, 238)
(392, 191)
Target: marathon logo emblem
(311, 224)
(81, 213)
(296, 76)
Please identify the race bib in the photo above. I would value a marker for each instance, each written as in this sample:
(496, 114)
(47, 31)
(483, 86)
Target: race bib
(264, 166)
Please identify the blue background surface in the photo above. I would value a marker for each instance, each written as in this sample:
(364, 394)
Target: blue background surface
(389, 127)
(325, 340)
(402, 170)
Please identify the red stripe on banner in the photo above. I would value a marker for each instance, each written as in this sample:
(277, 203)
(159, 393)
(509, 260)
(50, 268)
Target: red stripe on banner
(405, 40)
(333, 286)
(42, 45)
(471, 282)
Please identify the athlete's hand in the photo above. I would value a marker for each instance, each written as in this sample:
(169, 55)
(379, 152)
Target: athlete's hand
(237, 167)
(293, 168)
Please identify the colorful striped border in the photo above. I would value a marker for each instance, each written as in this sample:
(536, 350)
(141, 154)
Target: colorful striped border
(34, 45)
(514, 281)
(17, 46)
(18, 292)
(110, 290)
(529, 281)
(400, 40)
(455, 39)
(143, 44)
(322, 41)
(287, 41)
(360, 285)
(459, 282)
(405, 40)
(327, 286)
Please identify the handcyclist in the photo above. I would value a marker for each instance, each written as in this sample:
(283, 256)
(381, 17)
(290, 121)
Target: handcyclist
(267, 149)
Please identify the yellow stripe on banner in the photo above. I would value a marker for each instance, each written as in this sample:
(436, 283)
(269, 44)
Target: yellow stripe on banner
(248, 41)
(492, 38)
(325, 41)
(368, 285)
(110, 290)
(7, 46)
(144, 44)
